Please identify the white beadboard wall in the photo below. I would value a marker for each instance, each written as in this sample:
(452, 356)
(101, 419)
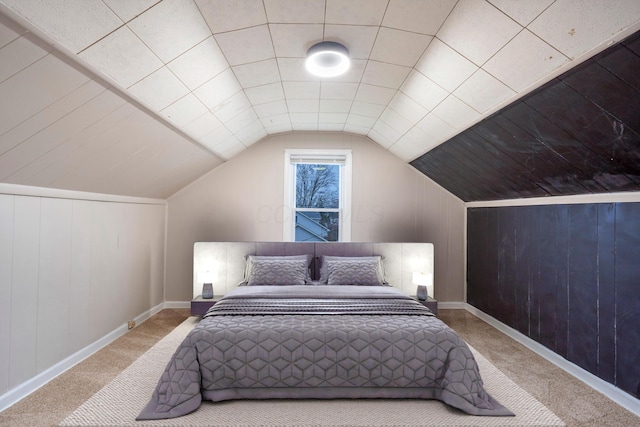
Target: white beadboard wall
(72, 270)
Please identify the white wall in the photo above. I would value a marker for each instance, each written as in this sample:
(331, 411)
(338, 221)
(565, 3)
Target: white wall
(72, 270)
(242, 201)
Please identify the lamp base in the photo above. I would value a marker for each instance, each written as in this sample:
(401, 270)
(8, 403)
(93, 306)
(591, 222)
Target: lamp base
(207, 291)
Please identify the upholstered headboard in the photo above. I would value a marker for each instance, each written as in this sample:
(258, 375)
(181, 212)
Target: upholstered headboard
(226, 260)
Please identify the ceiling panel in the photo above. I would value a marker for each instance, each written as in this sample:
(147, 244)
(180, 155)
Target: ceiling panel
(578, 134)
(225, 73)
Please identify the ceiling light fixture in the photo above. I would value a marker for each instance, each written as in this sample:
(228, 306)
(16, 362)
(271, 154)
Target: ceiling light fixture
(327, 59)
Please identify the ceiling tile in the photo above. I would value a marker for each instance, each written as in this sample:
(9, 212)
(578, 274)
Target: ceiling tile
(410, 145)
(203, 125)
(242, 120)
(407, 107)
(388, 134)
(122, 56)
(303, 106)
(333, 90)
(354, 73)
(482, 91)
(399, 47)
(18, 55)
(522, 12)
(247, 45)
(395, 121)
(127, 10)
(445, 66)
(436, 128)
(199, 64)
(90, 21)
(355, 12)
(324, 118)
(271, 109)
(299, 11)
(358, 130)
(277, 120)
(185, 110)
(575, 26)
(334, 105)
(292, 70)
(231, 107)
(385, 75)
(477, 30)
(524, 61)
(422, 90)
(257, 73)
(294, 40)
(297, 118)
(379, 138)
(361, 121)
(357, 39)
(230, 15)
(374, 94)
(147, 89)
(229, 147)
(247, 138)
(424, 17)
(455, 112)
(266, 93)
(367, 109)
(286, 127)
(302, 90)
(331, 127)
(218, 89)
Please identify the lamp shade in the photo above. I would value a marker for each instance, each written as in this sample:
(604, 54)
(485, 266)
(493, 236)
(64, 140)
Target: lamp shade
(327, 59)
(424, 279)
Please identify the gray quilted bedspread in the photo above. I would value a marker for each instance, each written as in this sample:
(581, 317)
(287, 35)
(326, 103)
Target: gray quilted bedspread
(312, 344)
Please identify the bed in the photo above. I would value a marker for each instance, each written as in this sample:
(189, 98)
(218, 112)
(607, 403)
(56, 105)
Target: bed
(316, 326)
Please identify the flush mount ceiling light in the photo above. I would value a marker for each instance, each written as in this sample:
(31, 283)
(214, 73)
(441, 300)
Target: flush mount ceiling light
(327, 59)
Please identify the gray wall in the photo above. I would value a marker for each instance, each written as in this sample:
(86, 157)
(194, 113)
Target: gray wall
(242, 201)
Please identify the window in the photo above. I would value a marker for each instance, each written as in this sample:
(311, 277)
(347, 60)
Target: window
(317, 196)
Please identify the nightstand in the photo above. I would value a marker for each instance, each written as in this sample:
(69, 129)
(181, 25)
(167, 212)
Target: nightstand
(430, 303)
(199, 305)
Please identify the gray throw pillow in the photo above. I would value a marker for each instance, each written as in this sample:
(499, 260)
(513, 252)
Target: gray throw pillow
(277, 272)
(355, 272)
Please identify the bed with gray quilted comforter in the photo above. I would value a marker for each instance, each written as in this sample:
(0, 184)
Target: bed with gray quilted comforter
(327, 342)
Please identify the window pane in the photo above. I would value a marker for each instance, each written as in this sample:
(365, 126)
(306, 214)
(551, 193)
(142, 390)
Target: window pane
(317, 186)
(317, 226)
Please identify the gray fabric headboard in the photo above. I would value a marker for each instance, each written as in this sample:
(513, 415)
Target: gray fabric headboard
(226, 260)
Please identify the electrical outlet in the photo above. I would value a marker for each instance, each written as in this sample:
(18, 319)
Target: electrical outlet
(131, 324)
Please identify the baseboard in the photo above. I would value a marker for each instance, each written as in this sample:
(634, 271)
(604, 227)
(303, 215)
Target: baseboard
(619, 396)
(26, 388)
(177, 304)
(449, 305)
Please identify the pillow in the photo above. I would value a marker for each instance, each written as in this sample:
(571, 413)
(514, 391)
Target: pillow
(277, 272)
(366, 272)
(324, 274)
(251, 258)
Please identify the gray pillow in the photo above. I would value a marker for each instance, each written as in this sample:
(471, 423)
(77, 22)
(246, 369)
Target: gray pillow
(355, 272)
(277, 272)
(324, 274)
(251, 258)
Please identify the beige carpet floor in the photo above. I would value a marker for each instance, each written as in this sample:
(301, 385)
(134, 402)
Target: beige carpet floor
(575, 403)
(121, 400)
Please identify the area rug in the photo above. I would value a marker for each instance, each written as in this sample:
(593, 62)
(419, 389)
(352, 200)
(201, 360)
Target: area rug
(120, 401)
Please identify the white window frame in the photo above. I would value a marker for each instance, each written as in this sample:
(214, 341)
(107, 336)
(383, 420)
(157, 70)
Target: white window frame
(289, 217)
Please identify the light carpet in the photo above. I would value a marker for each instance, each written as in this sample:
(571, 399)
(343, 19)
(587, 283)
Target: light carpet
(120, 401)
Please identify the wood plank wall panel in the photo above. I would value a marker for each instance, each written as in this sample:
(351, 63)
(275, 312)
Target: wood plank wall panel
(578, 134)
(566, 276)
(72, 271)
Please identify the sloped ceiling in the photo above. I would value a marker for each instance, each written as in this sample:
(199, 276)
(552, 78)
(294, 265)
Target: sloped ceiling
(578, 134)
(141, 97)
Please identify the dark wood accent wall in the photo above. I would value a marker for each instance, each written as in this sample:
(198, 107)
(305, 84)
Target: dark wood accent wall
(567, 276)
(578, 134)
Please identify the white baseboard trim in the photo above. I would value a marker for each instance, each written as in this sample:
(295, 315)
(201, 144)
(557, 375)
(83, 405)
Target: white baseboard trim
(26, 388)
(450, 305)
(619, 396)
(177, 304)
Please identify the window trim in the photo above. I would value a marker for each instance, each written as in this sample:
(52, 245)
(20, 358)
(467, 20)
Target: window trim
(288, 220)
